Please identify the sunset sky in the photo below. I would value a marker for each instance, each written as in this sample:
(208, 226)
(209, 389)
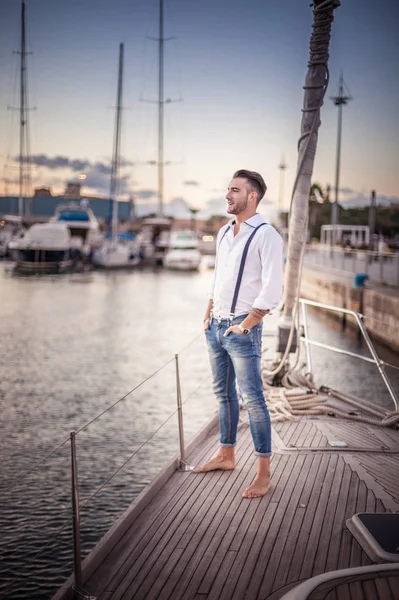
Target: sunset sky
(238, 67)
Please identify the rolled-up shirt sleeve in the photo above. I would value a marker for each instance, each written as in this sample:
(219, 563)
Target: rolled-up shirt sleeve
(271, 253)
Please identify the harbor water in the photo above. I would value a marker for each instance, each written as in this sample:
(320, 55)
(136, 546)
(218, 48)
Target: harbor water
(72, 346)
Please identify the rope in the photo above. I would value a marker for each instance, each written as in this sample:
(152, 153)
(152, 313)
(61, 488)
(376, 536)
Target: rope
(285, 404)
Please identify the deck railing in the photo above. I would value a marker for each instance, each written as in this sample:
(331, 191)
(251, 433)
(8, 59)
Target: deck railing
(358, 318)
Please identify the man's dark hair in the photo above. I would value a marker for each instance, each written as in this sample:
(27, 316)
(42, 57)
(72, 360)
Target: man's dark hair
(255, 181)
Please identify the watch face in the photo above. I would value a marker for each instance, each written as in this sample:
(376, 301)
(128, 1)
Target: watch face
(245, 331)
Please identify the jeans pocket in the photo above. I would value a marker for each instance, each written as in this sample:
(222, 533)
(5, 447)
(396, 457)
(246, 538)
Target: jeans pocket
(257, 340)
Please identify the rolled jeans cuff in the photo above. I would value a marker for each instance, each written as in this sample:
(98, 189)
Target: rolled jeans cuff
(227, 445)
(262, 454)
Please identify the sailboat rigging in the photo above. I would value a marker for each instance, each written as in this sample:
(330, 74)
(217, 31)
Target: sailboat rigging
(116, 152)
(116, 251)
(24, 141)
(23, 158)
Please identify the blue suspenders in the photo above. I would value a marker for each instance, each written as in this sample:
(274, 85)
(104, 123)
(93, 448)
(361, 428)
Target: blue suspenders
(241, 269)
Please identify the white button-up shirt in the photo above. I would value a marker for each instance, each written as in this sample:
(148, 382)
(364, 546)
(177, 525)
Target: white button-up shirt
(262, 279)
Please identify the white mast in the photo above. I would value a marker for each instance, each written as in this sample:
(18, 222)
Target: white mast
(116, 152)
(23, 124)
(339, 101)
(160, 111)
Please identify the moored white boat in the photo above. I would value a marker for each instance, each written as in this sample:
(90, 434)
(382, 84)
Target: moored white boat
(153, 240)
(67, 239)
(45, 247)
(82, 225)
(117, 253)
(183, 252)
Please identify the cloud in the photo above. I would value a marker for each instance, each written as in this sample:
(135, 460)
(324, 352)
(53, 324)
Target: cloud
(358, 199)
(144, 194)
(99, 167)
(191, 182)
(57, 162)
(97, 173)
(76, 165)
(123, 162)
(100, 183)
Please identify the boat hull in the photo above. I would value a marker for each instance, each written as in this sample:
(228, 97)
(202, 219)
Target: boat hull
(181, 266)
(115, 257)
(24, 266)
(44, 261)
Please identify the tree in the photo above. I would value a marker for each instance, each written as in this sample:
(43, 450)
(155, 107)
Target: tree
(317, 196)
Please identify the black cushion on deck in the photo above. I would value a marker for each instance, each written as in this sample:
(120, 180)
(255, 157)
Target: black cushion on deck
(384, 528)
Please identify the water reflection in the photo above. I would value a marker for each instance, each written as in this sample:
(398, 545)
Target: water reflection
(72, 346)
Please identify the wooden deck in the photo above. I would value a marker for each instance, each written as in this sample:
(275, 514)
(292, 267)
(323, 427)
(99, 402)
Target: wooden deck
(198, 539)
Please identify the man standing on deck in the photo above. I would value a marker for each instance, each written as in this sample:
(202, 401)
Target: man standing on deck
(247, 285)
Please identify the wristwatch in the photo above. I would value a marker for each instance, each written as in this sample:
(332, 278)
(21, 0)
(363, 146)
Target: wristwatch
(243, 330)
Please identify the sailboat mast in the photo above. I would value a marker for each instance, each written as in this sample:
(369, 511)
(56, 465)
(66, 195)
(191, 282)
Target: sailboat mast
(160, 111)
(22, 113)
(116, 152)
(315, 87)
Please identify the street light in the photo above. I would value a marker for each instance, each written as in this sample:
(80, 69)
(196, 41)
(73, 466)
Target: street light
(339, 101)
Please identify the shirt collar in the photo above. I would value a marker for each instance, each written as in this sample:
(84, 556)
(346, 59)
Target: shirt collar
(251, 222)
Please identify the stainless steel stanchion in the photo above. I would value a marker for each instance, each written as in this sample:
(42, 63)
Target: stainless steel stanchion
(183, 465)
(306, 340)
(77, 588)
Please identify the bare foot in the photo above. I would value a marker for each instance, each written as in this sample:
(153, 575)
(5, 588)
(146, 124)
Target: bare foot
(218, 463)
(257, 489)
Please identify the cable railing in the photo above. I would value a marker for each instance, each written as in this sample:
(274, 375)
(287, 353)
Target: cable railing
(89, 437)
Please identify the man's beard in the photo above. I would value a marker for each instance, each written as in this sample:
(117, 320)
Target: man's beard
(236, 209)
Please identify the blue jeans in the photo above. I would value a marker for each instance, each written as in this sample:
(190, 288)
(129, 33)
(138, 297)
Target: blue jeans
(237, 358)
